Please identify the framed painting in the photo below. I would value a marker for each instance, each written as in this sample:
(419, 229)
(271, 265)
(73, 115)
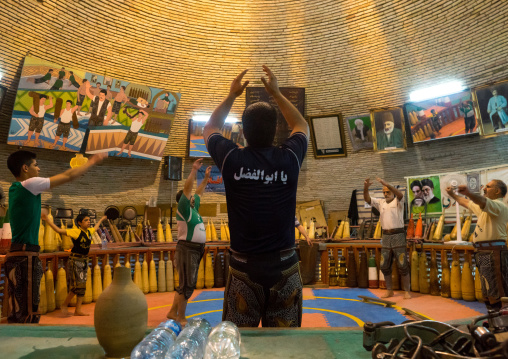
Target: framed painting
(328, 136)
(492, 108)
(388, 129)
(442, 117)
(360, 132)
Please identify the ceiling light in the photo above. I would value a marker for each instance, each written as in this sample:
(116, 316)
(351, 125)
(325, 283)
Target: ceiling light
(444, 89)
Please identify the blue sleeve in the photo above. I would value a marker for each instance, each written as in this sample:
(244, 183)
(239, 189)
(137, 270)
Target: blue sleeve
(219, 148)
(297, 144)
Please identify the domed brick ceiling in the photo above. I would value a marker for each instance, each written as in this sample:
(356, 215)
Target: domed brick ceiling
(350, 56)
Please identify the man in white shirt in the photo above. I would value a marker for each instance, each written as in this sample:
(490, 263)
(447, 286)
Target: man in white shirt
(64, 127)
(393, 243)
(489, 238)
(37, 120)
(132, 135)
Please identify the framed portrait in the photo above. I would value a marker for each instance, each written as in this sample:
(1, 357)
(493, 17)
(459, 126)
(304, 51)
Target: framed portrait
(93, 79)
(388, 129)
(360, 132)
(424, 192)
(492, 108)
(118, 84)
(108, 81)
(441, 117)
(328, 136)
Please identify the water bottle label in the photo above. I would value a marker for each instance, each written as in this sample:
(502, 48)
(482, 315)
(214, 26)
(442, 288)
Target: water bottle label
(174, 326)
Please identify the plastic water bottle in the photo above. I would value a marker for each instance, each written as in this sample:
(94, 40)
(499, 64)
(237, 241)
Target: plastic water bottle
(223, 342)
(191, 342)
(200, 323)
(156, 344)
(104, 241)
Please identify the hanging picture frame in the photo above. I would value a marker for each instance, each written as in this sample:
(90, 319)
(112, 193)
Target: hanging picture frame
(328, 138)
(388, 129)
(491, 108)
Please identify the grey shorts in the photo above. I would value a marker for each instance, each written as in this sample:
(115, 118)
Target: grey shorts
(187, 258)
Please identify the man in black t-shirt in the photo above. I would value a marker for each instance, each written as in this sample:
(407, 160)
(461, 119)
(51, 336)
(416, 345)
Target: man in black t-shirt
(261, 181)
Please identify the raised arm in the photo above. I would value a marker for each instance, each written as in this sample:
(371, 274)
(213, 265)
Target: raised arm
(57, 229)
(97, 225)
(201, 188)
(219, 115)
(87, 89)
(366, 195)
(189, 183)
(394, 190)
(292, 116)
(47, 107)
(76, 172)
(464, 202)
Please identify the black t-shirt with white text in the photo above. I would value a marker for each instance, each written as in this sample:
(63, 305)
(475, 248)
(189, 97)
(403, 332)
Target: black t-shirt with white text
(261, 186)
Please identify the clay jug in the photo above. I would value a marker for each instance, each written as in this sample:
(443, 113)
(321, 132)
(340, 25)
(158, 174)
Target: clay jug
(121, 315)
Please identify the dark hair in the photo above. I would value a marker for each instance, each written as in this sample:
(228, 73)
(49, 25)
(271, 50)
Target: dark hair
(98, 83)
(18, 159)
(72, 73)
(427, 182)
(501, 185)
(69, 101)
(80, 217)
(123, 87)
(50, 70)
(43, 96)
(109, 86)
(104, 92)
(179, 195)
(416, 183)
(259, 124)
(85, 80)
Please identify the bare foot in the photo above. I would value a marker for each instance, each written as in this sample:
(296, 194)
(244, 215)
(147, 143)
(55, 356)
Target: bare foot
(407, 295)
(52, 146)
(26, 143)
(171, 316)
(183, 322)
(118, 153)
(388, 294)
(80, 314)
(65, 311)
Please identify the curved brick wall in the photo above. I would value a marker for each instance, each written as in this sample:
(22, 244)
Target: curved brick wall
(349, 55)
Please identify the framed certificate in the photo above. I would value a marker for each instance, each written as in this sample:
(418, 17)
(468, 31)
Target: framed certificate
(328, 136)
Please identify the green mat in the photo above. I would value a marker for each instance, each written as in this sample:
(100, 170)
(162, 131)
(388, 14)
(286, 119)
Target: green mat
(38, 341)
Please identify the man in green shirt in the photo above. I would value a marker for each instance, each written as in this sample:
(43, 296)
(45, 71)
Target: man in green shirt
(191, 241)
(23, 267)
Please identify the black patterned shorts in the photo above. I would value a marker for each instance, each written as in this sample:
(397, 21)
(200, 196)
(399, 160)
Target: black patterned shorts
(130, 138)
(267, 289)
(63, 129)
(36, 124)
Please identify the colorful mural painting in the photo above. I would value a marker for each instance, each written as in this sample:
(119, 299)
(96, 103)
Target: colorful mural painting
(73, 110)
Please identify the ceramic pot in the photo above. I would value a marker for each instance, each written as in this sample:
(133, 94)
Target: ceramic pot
(121, 315)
